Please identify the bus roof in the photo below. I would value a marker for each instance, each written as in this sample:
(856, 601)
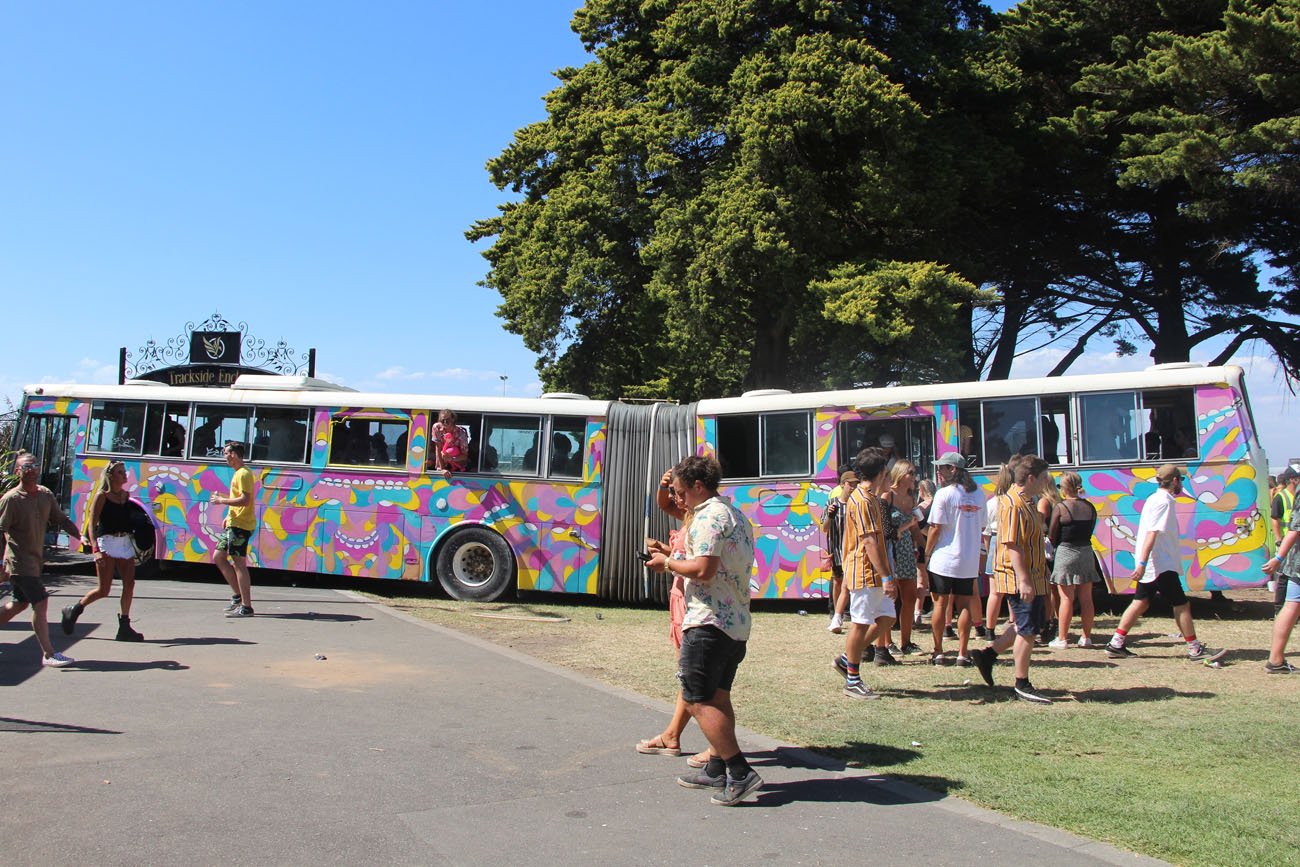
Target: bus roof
(1159, 376)
(264, 394)
(285, 391)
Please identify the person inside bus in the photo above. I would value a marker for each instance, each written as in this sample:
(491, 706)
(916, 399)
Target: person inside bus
(888, 443)
(450, 445)
(561, 456)
(173, 440)
(1051, 440)
(378, 449)
(967, 446)
(205, 439)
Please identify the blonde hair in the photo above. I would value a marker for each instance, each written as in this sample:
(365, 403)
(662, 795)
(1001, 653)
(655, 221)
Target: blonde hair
(1004, 479)
(899, 469)
(106, 478)
(1071, 484)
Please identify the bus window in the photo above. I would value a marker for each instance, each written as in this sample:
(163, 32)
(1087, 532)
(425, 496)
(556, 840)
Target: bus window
(1109, 425)
(568, 443)
(280, 434)
(858, 434)
(785, 445)
(970, 435)
(214, 426)
(1010, 428)
(1058, 429)
(738, 446)
(1170, 425)
(116, 427)
(511, 442)
(366, 442)
(165, 429)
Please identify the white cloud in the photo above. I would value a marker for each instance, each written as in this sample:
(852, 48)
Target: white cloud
(399, 373)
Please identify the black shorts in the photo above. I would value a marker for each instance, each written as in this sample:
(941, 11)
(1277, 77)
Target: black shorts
(708, 662)
(27, 590)
(234, 541)
(942, 585)
(1166, 585)
(1029, 619)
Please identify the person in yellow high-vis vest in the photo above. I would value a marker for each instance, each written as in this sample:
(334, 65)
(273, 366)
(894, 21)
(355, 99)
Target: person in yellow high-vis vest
(1280, 512)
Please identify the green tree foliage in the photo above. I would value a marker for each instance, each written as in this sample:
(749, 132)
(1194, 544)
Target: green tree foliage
(688, 208)
(806, 193)
(1131, 241)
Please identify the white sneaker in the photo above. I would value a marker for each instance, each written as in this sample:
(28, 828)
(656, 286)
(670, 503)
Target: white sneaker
(836, 625)
(1059, 644)
(58, 660)
(1084, 641)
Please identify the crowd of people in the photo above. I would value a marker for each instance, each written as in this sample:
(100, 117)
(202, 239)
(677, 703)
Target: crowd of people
(1027, 550)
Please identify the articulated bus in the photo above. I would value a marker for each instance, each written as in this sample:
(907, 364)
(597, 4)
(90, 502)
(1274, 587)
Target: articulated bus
(559, 492)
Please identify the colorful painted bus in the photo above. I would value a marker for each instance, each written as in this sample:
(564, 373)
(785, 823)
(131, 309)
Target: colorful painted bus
(559, 492)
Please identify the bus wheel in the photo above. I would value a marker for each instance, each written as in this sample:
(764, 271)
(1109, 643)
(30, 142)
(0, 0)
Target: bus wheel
(476, 565)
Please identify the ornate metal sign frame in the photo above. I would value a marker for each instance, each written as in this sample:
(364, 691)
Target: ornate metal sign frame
(173, 361)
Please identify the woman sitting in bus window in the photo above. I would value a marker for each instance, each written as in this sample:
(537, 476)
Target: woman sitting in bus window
(450, 446)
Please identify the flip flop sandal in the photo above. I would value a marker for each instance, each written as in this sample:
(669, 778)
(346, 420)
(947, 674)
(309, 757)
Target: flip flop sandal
(699, 760)
(655, 746)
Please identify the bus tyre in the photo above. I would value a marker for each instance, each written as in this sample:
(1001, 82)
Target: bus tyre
(476, 565)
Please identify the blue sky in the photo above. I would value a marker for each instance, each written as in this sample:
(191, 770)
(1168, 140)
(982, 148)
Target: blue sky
(309, 168)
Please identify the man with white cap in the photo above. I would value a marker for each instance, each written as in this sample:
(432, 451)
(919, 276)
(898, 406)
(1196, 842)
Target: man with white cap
(1159, 564)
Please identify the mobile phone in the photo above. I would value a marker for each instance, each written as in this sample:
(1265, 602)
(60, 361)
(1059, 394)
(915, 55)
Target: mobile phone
(645, 557)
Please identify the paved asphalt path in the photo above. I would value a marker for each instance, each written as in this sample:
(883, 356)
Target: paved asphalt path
(229, 742)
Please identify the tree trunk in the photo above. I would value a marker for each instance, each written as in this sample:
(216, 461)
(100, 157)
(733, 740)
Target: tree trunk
(1013, 312)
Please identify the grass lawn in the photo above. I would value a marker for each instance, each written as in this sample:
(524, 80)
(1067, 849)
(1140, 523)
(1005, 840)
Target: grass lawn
(1155, 754)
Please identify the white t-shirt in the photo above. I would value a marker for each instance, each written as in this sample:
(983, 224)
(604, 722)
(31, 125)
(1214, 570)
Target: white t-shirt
(960, 516)
(1159, 517)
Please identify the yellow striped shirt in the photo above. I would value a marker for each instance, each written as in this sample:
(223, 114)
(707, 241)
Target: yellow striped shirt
(1019, 524)
(864, 525)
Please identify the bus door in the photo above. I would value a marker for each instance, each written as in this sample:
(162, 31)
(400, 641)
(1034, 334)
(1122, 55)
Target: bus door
(905, 438)
(51, 439)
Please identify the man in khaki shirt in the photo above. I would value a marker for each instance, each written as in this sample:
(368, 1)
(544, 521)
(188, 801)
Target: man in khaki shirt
(25, 513)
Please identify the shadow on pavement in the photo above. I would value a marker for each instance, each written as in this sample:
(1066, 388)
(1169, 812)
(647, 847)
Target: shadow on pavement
(27, 726)
(109, 665)
(311, 615)
(194, 642)
(860, 790)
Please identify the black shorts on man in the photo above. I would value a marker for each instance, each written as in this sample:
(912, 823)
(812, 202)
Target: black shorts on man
(1167, 586)
(942, 585)
(27, 589)
(708, 662)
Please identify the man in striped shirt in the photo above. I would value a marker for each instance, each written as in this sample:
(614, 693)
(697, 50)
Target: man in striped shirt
(866, 568)
(1020, 573)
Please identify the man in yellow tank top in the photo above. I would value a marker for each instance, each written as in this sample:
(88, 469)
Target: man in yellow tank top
(231, 556)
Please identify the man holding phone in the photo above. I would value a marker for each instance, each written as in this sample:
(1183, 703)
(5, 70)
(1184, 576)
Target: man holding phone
(717, 569)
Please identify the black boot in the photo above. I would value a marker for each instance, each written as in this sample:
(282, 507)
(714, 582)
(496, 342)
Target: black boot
(70, 615)
(124, 630)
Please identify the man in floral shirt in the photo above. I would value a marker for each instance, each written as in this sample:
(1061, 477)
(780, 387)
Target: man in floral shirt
(718, 565)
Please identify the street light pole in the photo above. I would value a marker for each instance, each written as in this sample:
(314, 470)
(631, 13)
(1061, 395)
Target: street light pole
(504, 379)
